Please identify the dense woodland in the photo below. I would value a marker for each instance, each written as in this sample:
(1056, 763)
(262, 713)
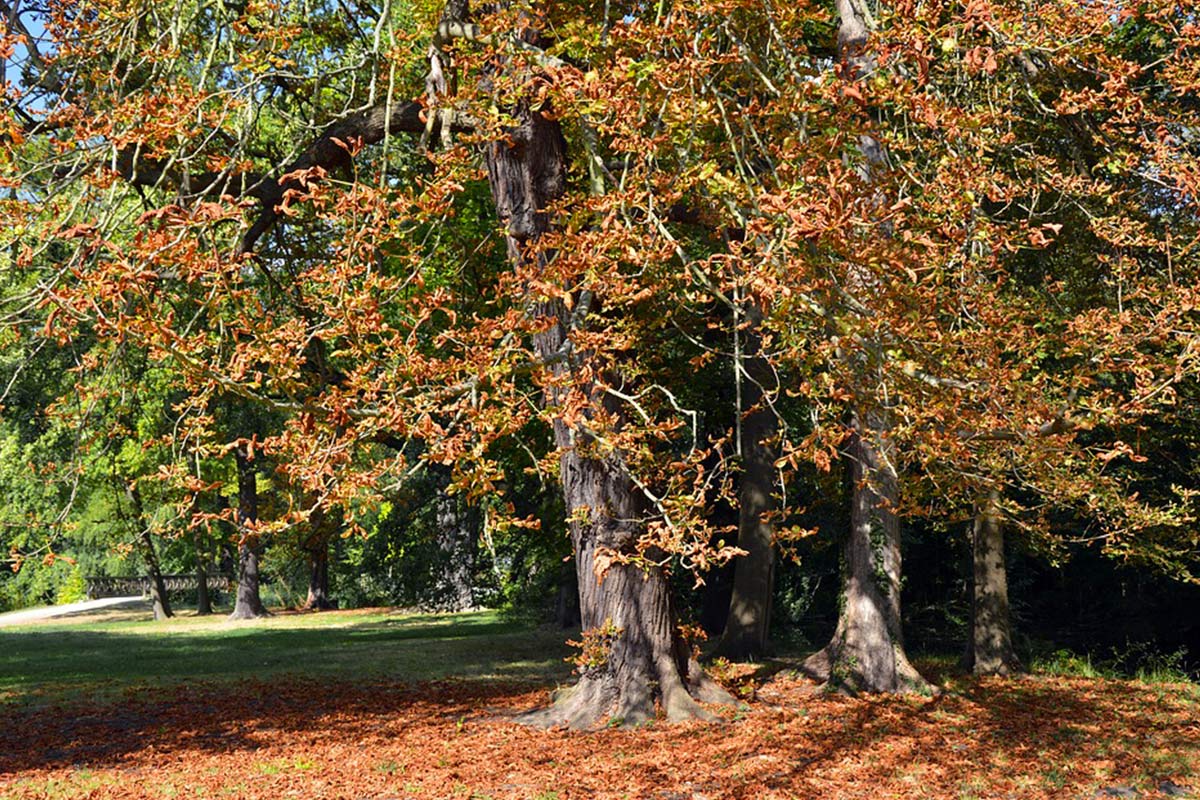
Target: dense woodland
(850, 326)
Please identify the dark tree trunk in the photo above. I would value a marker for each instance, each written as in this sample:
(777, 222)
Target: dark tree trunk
(158, 588)
(566, 605)
(200, 543)
(866, 653)
(248, 604)
(458, 540)
(746, 629)
(990, 650)
(318, 580)
(322, 527)
(645, 660)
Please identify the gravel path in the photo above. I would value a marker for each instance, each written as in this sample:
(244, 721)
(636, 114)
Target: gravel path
(88, 606)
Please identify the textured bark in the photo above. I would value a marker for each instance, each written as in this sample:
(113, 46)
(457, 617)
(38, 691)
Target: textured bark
(248, 604)
(990, 650)
(458, 539)
(866, 653)
(322, 527)
(647, 662)
(746, 629)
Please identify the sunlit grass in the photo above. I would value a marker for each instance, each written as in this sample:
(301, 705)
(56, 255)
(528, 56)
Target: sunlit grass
(95, 659)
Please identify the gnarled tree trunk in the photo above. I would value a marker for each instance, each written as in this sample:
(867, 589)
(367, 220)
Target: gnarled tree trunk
(645, 660)
(990, 650)
(248, 603)
(866, 653)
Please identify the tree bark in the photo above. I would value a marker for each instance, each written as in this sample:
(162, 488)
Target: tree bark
(866, 653)
(645, 660)
(745, 633)
(248, 603)
(203, 600)
(990, 650)
(458, 539)
(158, 588)
(322, 526)
(199, 545)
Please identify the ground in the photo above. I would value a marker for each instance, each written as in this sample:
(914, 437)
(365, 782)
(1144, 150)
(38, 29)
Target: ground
(380, 705)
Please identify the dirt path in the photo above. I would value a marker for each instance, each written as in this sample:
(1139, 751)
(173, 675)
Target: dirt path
(72, 609)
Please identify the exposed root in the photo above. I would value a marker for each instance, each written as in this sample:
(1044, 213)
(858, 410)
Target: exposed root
(597, 701)
(837, 671)
(247, 613)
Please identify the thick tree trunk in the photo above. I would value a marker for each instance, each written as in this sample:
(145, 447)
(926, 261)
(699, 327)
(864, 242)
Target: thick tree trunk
(318, 598)
(746, 629)
(866, 653)
(458, 539)
(640, 660)
(322, 527)
(248, 604)
(990, 650)
(644, 660)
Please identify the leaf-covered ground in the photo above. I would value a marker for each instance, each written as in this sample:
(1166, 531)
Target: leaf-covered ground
(352, 737)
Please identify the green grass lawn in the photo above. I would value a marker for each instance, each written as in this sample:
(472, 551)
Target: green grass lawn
(55, 659)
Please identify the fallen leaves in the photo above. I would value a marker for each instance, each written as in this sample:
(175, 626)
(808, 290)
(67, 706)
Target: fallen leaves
(1030, 738)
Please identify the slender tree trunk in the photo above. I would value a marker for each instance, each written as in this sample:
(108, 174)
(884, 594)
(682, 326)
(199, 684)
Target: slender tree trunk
(200, 545)
(745, 633)
(990, 650)
(644, 660)
(866, 653)
(158, 588)
(248, 604)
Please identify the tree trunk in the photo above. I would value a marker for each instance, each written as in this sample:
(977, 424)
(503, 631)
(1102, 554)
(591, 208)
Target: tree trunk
(458, 539)
(990, 650)
(158, 588)
(248, 604)
(322, 526)
(866, 653)
(745, 633)
(203, 600)
(644, 660)
(318, 598)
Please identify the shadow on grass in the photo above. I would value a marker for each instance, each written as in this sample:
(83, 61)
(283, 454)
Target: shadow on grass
(228, 718)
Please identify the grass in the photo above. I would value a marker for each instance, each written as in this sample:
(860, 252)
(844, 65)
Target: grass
(56, 659)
